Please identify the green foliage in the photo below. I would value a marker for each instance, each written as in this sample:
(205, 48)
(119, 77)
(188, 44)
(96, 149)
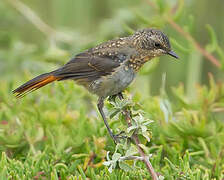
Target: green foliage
(214, 45)
(54, 136)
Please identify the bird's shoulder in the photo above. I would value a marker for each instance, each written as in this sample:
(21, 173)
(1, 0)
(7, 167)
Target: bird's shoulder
(117, 50)
(111, 44)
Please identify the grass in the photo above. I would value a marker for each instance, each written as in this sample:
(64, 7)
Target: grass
(57, 133)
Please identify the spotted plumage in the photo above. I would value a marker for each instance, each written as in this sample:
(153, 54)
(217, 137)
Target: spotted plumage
(107, 69)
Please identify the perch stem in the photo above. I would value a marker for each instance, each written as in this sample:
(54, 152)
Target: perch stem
(140, 150)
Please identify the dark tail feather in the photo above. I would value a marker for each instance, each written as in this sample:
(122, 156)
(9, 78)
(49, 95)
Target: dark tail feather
(35, 84)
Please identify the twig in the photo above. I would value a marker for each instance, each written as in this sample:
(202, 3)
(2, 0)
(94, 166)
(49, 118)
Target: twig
(205, 53)
(132, 158)
(140, 150)
(187, 36)
(89, 162)
(32, 17)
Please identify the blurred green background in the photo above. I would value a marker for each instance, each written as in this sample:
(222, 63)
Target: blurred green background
(87, 23)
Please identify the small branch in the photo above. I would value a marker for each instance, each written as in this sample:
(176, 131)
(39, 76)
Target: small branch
(205, 53)
(140, 150)
(187, 36)
(89, 162)
(32, 17)
(132, 158)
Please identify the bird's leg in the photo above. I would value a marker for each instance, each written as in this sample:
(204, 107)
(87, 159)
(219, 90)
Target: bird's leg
(112, 98)
(115, 137)
(120, 96)
(100, 106)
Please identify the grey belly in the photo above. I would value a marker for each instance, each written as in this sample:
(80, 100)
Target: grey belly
(114, 83)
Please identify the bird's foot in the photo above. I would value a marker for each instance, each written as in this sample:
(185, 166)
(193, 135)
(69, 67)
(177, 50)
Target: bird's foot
(113, 97)
(120, 96)
(117, 137)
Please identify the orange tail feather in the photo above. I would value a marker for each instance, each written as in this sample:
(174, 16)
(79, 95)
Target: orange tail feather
(35, 84)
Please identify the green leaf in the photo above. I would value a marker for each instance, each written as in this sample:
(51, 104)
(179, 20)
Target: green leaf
(146, 135)
(131, 151)
(3, 173)
(82, 172)
(107, 163)
(179, 10)
(213, 45)
(54, 175)
(131, 128)
(125, 166)
(162, 5)
(145, 148)
(116, 156)
(178, 46)
(171, 164)
(3, 162)
(79, 156)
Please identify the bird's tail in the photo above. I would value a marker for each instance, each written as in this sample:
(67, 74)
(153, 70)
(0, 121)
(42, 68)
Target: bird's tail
(35, 84)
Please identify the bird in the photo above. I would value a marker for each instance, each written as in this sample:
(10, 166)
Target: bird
(108, 68)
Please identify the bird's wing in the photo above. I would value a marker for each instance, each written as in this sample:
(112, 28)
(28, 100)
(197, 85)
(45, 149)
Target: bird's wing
(90, 66)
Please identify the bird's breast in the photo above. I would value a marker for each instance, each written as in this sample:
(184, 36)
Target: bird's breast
(137, 61)
(114, 83)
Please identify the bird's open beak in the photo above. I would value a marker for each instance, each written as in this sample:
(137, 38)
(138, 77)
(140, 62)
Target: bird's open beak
(173, 54)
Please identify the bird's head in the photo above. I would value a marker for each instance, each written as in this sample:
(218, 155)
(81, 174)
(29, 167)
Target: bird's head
(153, 43)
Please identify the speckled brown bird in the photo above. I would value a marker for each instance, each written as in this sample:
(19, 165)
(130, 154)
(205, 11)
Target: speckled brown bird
(107, 69)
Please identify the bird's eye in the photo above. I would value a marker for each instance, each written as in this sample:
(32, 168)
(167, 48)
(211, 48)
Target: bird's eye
(157, 45)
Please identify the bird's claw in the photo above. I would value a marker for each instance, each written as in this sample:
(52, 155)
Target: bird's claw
(113, 97)
(120, 96)
(117, 137)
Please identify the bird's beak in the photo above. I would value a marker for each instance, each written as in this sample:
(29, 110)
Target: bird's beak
(173, 54)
